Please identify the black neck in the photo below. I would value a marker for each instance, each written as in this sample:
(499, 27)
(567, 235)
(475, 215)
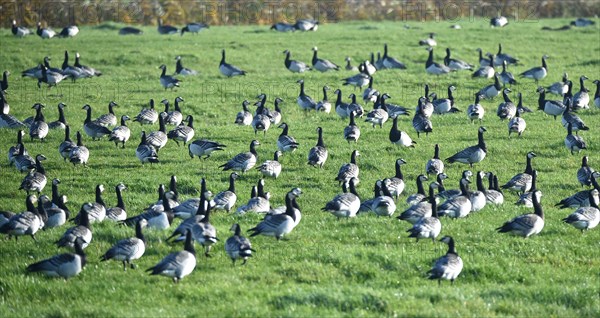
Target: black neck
(480, 185)
(481, 142)
(451, 249)
(320, 142)
(399, 174)
(353, 157)
(120, 202)
(537, 207)
(433, 202)
(189, 243)
(420, 188)
(138, 231)
(314, 58)
(99, 197)
(232, 183)
(39, 167)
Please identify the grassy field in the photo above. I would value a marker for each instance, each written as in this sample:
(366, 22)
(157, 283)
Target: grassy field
(364, 266)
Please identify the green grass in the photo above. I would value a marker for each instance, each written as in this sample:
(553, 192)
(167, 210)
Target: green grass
(359, 267)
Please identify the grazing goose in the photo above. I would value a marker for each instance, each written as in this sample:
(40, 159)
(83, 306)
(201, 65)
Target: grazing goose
(492, 90)
(352, 132)
(24, 223)
(204, 147)
(396, 183)
(35, 181)
(459, 206)
(559, 88)
(304, 101)
(64, 265)
(435, 165)
(580, 198)
(486, 70)
(89, 70)
(444, 105)
(225, 200)
(349, 170)
(306, 25)
(182, 132)
(433, 67)
(473, 154)
(354, 106)
(526, 225)
(359, 80)
(183, 71)
(584, 174)
(67, 145)
(81, 231)
(517, 124)
(498, 22)
(167, 81)
(585, 218)
(418, 209)
(147, 116)
(398, 137)
(506, 109)
(118, 213)
(569, 117)
(79, 154)
(238, 246)
(271, 168)
(551, 107)
(92, 128)
(13, 151)
(19, 31)
(179, 264)
(390, 62)
(427, 227)
(597, 94)
(537, 73)
(120, 134)
(454, 64)
(285, 142)
(574, 143)
(380, 115)
(324, 105)
(244, 117)
(61, 123)
(384, 204)
(344, 205)
(430, 41)
(322, 65)
(44, 33)
(317, 155)
(194, 27)
(581, 99)
(109, 119)
(475, 110)
(503, 57)
(449, 266)
(165, 28)
(146, 152)
(505, 76)
(283, 27)
(243, 161)
(68, 31)
(526, 198)
(341, 108)
(478, 198)
(421, 122)
(493, 195)
(279, 225)
(349, 66)
(158, 139)
(39, 128)
(522, 181)
(129, 249)
(228, 69)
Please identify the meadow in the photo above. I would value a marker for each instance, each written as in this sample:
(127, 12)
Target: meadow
(365, 266)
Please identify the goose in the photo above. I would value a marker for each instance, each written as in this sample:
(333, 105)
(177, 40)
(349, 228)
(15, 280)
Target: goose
(36, 71)
(569, 117)
(182, 132)
(483, 61)
(413, 199)
(194, 27)
(365, 205)
(520, 106)
(13, 151)
(167, 81)
(455, 64)
(473, 154)
(61, 123)
(581, 99)
(427, 227)
(271, 168)
(522, 181)
(204, 232)
(293, 65)
(178, 264)
(23, 161)
(7, 120)
(475, 110)
(89, 70)
(344, 205)
(478, 198)
(487, 70)
(378, 116)
(109, 119)
(582, 22)
(183, 71)
(228, 69)
(421, 208)
(279, 225)
(147, 116)
(324, 105)
(459, 206)
(129, 249)
(498, 22)
(399, 137)
(317, 155)
(551, 107)
(359, 80)
(352, 132)
(82, 231)
(19, 31)
(574, 143)
(354, 106)
(584, 174)
(24, 223)
(493, 90)
(580, 198)
(585, 218)
(97, 211)
(449, 266)
(435, 165)
(225, 200)
(390, 62)
(192, 215)
(505, 76)
(526, 225)
(341, 108)
(159, 219)
(506, 109)
(165, 29)
(275, 114)
(204, 147)
(35, 181)
(92, 128)
(421, 122)
(64, 265)
(4, 81)
(396, 183)
(244, 117)
(67, 145)
(68, 31)
(283, 27)
(370, 94)
(285, 142)
(559, 88)
(120, 134)
(503, 57)
(306, 25)
(256, 203)
(349, 66)
(392, 109)
(79, 154)
(50, 77)
(537, 73)
(39, 128)
(158, 139)
(145, 152)
(425, 104)
(304, 101)
(433, 67)
(493, 195)
(44, 33)
(430, 41)
(349, 170)
(526, 198)
(446, 194)
(517, 124)
(130, 31)
(238, 246)
(367, 67)
(444, 105)
(243, 161)
(322, 65)
(118, 213)
(597, 94)
(260, 121)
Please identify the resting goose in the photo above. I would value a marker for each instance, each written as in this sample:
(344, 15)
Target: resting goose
(279, 225)
(306, 25)
(473, 154)
(486, 70)
(526, 198)
(44, 33)
(271, 168)
(359, 80)
(39, 128)
(352, 132)
(159, 219)
(283, 27)
(317, 155)
(414, 199)
(435, 165)
(89, 70)
(304, 101)
(390, 62)
(520, 106)
(433, 67)
(158, 139)
(581, 99)
(430, 41)
(7, 120)
(569, 117)
(81, 231)
(322, 65)
(118, 213)
(580, 198)
(68, 31)
(449, 266)
(179, 264)
(503, 57)
(194, 27)
(183, 71)
(398, 137)
(109, 119)
(324, 105)
(421, 122)
(244, 117)
(574, 143)
(522, 181)
(130, 31)
(559, 88)
(19, 31)
(79, 154)
(182, 132)
(228, 69)
(585, 218)
(584, 174)
(147, 116)
(92, 128)
(384, 204)
(204, 147)
(475, 110)
(167, 81)
(551, 107)
(493, 195)
(498, 21)
(349, 66)
(526, 225)
(13, 151)
(243, 161)
(25, 223)
(428, 227)
(483, 61)
(64, 265)
(61, 123)
(459, 206)
(129, 249)
(517, 124)
(454, 64)
(344, 205)
(506, 109)
(238, 246)
(35, 181)
(492, 90)
(444, 105)
(349, 170)
(145, 152)
(537, 73)
(121, 134)
(505, 76)
(165, 29)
